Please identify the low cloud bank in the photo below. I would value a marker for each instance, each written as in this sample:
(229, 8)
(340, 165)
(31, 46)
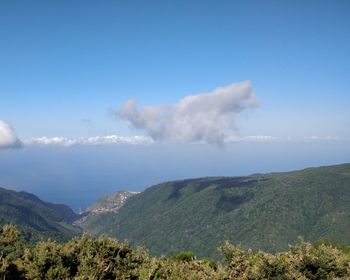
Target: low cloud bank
(321, 138)
(195, 118)
(8, 137)
(251, 138)
(145, 140)
(98, 140)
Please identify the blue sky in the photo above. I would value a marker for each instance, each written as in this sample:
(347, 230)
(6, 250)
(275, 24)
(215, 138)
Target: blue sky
(66, 61)
(67, 67)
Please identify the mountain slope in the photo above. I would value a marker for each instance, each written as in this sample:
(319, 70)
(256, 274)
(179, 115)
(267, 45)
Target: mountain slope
(107, 204)
(266, 212)
(36, 217)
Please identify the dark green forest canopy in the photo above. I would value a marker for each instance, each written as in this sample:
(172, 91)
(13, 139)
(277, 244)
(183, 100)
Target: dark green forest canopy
(37, 218)
(106, 258)
(263, 212)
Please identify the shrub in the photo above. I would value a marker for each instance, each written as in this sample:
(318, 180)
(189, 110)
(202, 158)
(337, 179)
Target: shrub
(106, 258)
(184, 257)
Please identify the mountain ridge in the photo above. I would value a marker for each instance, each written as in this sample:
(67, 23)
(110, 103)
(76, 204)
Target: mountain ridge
(38, 218)
(260, 211)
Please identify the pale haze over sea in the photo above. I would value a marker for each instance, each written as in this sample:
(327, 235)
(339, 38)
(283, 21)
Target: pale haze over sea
(79, 175)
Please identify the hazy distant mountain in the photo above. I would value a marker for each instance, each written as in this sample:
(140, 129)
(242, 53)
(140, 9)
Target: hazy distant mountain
(262, 211)
(36, 217)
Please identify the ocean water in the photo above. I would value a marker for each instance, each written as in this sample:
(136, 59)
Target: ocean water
(79, 175)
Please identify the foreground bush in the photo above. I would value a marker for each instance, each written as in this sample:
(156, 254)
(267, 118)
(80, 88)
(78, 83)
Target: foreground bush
(106, 258)
(304, 261)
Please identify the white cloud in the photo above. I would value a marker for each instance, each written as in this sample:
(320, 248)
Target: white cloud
(116, 139)
(54, 141)
(98, 140)
(195, 118)
(251, 138)
(132, 140)
(8, 138)
(321, 138)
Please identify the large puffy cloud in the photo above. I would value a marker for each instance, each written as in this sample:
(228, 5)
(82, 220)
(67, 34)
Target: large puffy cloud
(8, 138)
(195, 118)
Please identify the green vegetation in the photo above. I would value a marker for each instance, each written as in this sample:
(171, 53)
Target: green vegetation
(106, 258)
(185, 220)
(262, 212)
(36, 219)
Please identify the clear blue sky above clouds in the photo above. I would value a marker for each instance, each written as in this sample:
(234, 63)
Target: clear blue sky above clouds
(66, 61)
(66, 66)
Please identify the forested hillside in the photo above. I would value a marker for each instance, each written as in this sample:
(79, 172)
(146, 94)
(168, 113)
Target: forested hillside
(262, 212)
(38, 219)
